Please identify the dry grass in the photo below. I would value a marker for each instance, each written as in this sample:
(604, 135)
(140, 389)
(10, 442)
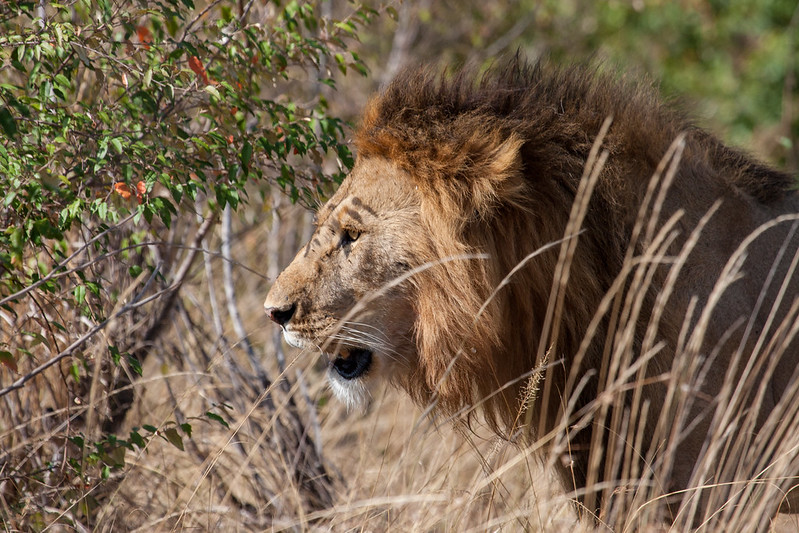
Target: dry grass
(393, 468)
(396, 471)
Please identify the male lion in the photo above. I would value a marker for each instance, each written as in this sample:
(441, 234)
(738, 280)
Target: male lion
(586, 265)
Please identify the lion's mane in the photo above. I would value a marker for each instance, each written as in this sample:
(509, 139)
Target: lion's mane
(498, 164)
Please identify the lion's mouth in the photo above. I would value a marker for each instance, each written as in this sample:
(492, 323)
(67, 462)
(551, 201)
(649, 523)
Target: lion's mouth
(352, 364)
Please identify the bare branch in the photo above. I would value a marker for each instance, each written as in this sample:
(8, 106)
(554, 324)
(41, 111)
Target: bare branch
(55, 272)
(133, 304)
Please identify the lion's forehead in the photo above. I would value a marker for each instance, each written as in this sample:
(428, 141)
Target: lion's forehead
(375, 187)
(354, 210)
(346, 213)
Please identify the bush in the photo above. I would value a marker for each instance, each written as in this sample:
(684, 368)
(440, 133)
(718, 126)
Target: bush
(125, 127)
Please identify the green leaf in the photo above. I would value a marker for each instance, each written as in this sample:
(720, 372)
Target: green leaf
(9, 198)
(38, 339)
(7, 122)
(164, 208)
(17, 238)
(62, 81)
(233, 198)
(17, 56)
(59, 35)
(174, 438)
(342, 63)
(115, 355)
(93, 288)
(217, 418)
(137, 439)
(186, 427)
(102, 210)
(45, 228)
(80, 294)
(221, 195)
(246, 155)
(102, 149)
(210, 89)
(147, 212)
(117, 455)
(135, 365)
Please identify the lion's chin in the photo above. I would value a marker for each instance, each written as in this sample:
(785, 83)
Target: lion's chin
(292, 339)
(353, 392)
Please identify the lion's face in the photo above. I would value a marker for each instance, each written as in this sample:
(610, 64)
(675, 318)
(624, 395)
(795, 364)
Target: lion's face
(346, 292)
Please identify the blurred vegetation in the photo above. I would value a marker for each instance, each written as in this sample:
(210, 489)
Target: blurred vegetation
(129, 129)
(153, 104)
(736, 60)
(734, 64)
(124, 128)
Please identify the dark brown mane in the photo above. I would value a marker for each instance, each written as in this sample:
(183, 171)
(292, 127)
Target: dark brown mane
(498, 164)
(422, 116)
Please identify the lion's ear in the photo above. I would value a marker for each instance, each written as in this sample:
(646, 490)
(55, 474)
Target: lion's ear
(495, 175)
(471, 180)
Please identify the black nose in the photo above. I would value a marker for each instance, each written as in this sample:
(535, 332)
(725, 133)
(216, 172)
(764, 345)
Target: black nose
(281, 315)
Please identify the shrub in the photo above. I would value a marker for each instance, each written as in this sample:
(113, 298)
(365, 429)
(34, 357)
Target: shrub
(124, 127)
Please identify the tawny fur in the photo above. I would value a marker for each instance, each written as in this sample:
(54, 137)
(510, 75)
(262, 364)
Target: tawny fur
(492, 168)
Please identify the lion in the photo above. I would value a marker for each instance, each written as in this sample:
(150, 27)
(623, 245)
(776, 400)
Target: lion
(558, 247)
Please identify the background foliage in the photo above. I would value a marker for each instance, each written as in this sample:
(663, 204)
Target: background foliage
(147, 152)
(125, 128)
(117, 108)
(734, 63)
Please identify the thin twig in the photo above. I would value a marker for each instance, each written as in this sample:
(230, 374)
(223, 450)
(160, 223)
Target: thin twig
(180, 276)
(230, 294)
(55, 272)
(135, 303)
(198, 17)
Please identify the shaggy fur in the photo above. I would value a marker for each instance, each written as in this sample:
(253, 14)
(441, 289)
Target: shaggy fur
(482, 175)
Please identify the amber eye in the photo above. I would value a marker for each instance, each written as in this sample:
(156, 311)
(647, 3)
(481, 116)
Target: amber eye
(349, 236)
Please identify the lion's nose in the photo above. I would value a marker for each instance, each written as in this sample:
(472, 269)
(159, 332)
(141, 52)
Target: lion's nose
(281, 315)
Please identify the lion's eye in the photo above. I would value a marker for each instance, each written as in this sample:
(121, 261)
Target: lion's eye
(349, 236)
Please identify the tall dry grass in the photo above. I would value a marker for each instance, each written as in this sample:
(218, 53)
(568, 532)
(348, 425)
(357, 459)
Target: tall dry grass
(292, 458)
(748, 462)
